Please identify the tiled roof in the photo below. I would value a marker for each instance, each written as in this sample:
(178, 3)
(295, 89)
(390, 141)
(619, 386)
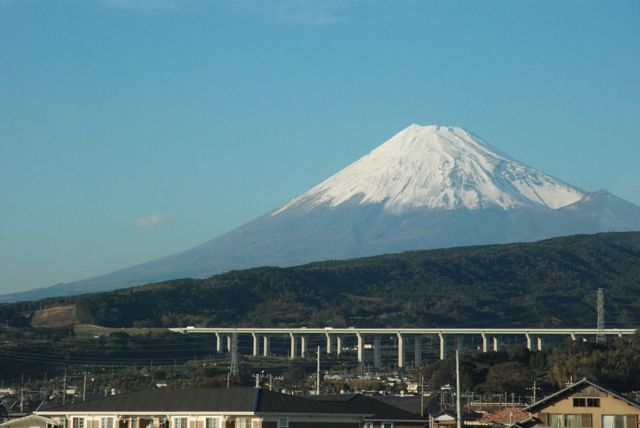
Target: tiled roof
(411, 404)
(169, 400)
(274, 402)
(507, 415)
(239, 399)
(357, 403)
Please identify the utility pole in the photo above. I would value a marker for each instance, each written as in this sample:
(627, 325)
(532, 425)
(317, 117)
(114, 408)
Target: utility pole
(458, 410)
(64, 388)
(600, 308)
(422, 396)
(84, 387)
(318, 372)
(21, 392)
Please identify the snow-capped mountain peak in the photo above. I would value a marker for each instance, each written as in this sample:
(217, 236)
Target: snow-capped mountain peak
(438, 168)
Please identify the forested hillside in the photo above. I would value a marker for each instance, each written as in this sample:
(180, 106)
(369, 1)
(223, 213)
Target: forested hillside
(547, 283)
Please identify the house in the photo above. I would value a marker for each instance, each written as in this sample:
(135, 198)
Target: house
(586, 404)
(447, 418)
(239, 407)
(31, 421)
(378, 413)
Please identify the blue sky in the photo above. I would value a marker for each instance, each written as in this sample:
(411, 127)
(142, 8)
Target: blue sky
(132, 129)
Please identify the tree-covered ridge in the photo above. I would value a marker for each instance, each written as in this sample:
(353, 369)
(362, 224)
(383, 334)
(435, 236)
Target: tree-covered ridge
(546, 283)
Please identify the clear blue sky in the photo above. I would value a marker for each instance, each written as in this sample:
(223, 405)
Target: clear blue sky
(131, 129)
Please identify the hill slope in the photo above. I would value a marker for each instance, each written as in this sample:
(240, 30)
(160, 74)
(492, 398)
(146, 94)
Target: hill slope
(427, 187)
(546, 283)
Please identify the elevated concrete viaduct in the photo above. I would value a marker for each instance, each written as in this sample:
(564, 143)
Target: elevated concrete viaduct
(300, 335)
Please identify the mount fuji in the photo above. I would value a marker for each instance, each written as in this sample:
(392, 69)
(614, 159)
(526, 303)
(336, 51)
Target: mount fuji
(427, 187)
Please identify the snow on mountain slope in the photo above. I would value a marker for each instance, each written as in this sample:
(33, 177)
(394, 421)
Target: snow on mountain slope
(439, 168)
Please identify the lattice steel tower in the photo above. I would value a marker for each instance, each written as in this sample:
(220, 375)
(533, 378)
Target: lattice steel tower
(600, 336)
(233, 370)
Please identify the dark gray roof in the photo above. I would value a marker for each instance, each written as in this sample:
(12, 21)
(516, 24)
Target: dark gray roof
(273, 402)
(411, 403)
(238, 399)
(576, 387)
(169, 400)
(357, 403)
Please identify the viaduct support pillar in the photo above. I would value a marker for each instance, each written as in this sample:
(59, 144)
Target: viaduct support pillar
(417, 350)
(228, 343)
(255, 344)
(360, 349)
(265, 346)
(400, 350)
(303, 346)
(377, 343)
(328, 343)
(443, 344)
(495, 344)
(539, 344)
(292, 353)
(485, 343)
(218, 343)
(338, 345)
(528, 336)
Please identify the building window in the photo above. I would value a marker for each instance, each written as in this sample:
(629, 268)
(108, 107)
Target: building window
(573, 421)
(212, 423)
(78, 423)
(593, 402)
(255, 424)
(283, 423)
(106, 422)
(586, 402)
(614, 421)
(555, 421)
(242, 423)
(180, 422)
